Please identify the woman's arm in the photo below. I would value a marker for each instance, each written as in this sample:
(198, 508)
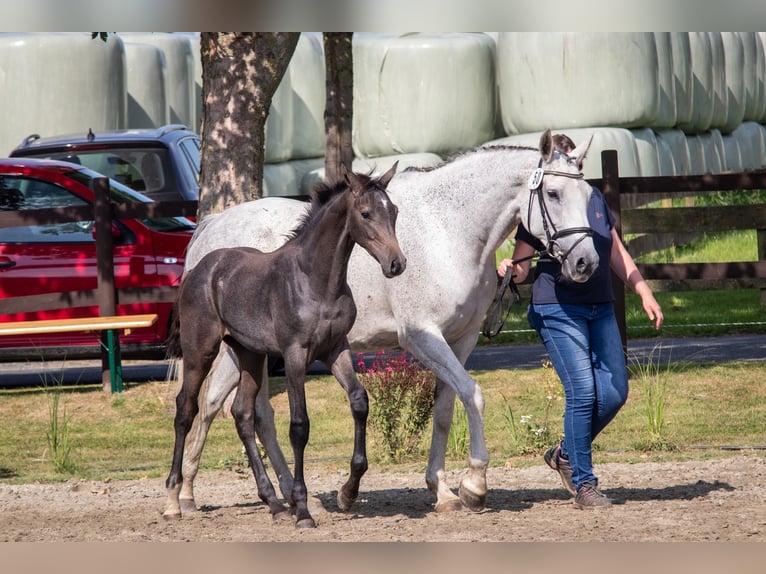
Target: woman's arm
(625, 268)
(519, 271)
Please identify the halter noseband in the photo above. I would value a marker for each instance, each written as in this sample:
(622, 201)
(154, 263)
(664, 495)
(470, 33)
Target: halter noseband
(552, 248)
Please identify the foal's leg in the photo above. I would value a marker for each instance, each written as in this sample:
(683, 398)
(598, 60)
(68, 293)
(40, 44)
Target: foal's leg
(295, 371)
(243, 411)
(196, 365)
(342, 367)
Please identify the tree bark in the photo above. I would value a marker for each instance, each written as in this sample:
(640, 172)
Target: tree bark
(240, 74)
(339, 105)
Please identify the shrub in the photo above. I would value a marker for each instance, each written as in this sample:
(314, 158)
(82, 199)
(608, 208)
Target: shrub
(401, 395)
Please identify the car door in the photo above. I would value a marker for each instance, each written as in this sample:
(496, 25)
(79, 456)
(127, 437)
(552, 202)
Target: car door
(61, 258)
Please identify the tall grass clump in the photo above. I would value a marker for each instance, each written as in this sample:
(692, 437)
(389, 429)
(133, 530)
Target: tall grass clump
(653, 379)
(530, 434)
(57, 433)
(401, 395)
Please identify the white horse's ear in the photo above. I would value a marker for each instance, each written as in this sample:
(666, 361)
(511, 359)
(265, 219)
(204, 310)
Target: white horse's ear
(546, 145)
(581, 151)
(386, 177)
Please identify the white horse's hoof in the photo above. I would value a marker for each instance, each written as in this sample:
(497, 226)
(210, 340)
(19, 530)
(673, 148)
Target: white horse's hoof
(453, 505)
(187, 505)
(471, 500)
(171, 515)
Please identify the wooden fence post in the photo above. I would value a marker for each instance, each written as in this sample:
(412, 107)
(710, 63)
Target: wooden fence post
(111, 370)
(611, 183)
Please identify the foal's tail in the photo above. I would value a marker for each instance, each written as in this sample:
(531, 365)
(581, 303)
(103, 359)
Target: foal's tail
(173, 343)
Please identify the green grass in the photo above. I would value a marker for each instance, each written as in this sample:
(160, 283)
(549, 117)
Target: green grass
(687, 313)
(131, 436)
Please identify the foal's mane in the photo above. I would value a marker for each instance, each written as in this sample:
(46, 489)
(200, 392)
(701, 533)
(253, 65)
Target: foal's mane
(322, 194)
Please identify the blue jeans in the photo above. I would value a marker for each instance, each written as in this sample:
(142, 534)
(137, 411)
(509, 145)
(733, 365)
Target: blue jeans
(584, 345)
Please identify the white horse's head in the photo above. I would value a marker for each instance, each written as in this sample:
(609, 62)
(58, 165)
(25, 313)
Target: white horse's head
(558, 208)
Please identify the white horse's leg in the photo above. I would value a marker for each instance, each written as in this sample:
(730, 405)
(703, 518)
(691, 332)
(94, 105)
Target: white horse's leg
(222, 379)
(434, 352)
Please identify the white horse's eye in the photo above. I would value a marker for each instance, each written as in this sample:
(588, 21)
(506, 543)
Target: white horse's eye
(552, 193)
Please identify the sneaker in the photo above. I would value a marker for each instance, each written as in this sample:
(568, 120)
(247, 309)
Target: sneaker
(553, 458)
(589, 496)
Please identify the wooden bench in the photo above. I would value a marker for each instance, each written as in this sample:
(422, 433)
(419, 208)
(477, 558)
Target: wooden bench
(110, 325)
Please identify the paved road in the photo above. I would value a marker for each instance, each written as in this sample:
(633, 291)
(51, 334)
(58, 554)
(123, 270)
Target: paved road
(662, 351)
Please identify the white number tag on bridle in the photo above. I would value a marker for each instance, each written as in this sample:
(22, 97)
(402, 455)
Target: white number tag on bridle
(536, 178)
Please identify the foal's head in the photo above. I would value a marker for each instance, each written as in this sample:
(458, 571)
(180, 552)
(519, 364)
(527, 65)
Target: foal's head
(372, 219)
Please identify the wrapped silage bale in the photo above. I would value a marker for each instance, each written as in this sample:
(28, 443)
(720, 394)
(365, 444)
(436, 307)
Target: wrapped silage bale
(731, 156)
(577, 79)
(704, 154)
(762, 118)
(60, 83)
(666, 118)
(295, 124)
(720, 97)
(619, 139)
(666, 157)
(147, 97)
(280, 179)
(676, 142)
(702, 85)
(376, 166)
(646, 148)
(754, 67)
(752, 141)
(735, 94)
(416, 93)
(682, 75)
(180, 74)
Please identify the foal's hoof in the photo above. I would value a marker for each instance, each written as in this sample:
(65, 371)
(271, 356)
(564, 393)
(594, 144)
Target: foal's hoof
(471, 500)
(306, 523)
(283, 516)
(345, 502)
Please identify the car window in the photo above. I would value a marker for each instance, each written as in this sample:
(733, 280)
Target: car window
(190, 147)
(19, 193)
(148, 170)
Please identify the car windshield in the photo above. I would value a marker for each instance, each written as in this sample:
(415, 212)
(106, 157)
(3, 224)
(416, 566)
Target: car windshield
(120, 193)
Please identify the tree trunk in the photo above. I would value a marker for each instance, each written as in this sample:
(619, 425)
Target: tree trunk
(339, 105)
(240, 73)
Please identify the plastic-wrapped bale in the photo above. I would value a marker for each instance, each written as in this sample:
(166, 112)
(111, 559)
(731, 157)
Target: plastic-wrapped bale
(704, 154)
(417, 93)
(703, 85)
(295, 125)
(761, 117)
(284, 179)
(619, 139)
(682, 75)
(375, 166)
(731, 156)
(646, 148)
(41, 74)
(575, 80)
(735, 76)
(180, 73)
(676, 143)
(666, 118)
(147, 95)
(754, 76)
(752, 144)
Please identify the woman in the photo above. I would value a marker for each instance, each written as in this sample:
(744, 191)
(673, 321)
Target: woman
(577, 324)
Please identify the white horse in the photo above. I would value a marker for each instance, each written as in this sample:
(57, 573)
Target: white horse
(452, 219)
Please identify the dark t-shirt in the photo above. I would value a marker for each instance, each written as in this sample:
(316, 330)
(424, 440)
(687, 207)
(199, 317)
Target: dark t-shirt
(550, 286)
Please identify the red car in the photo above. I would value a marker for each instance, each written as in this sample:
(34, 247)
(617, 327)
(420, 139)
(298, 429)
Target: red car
(61, 257)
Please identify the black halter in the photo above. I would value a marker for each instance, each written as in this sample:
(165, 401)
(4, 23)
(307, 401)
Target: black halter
(552, 248)
(501, 305)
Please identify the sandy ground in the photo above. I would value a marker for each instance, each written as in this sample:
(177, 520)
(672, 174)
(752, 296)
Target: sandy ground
(723, 499)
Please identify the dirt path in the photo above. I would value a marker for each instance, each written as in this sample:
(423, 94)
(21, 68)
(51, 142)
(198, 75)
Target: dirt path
(722, 499)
